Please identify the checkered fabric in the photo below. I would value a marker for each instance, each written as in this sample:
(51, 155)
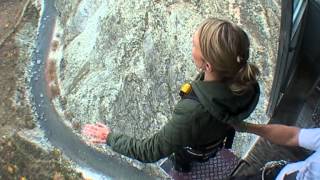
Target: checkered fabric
(219, 167)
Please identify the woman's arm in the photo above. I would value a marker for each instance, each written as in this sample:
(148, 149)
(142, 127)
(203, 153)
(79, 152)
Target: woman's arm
(275, 133)
(175, 134)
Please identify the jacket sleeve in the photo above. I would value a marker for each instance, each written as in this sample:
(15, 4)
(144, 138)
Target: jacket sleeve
(174, 135)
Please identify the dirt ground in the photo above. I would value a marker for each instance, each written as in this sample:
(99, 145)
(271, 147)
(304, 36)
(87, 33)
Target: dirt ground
(20, 158)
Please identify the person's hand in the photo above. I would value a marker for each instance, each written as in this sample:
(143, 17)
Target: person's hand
(97, 133)
(240, 126)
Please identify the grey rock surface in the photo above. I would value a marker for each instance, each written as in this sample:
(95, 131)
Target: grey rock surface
(124, 61)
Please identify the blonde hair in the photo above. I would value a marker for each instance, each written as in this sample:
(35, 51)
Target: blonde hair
(226, 47)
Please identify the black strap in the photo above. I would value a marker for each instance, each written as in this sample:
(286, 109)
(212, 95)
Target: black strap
(203, 157)
(192, 95)
(291, 176)
(230, 137)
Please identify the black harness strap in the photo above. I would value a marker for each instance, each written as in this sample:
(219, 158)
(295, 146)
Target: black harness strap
(191, 95)
(229, 138)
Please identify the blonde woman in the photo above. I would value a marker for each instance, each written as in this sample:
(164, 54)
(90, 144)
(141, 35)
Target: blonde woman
(226, 91)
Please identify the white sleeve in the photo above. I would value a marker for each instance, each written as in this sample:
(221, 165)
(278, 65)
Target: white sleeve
(310, 138)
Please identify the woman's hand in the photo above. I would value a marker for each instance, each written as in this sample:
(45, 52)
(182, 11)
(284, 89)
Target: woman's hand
(97, 133)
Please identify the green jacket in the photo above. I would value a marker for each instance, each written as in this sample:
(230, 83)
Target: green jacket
(193, 123)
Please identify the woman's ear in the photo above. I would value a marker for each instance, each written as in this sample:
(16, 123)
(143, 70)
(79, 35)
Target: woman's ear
(208, 67)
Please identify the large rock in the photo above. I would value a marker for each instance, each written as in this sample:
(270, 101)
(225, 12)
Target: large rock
(124, 61)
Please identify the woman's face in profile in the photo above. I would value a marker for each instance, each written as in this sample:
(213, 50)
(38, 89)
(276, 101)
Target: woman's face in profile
(196, 51)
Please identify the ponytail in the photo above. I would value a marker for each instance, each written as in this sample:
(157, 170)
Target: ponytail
(226, 47)
(243, 80)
